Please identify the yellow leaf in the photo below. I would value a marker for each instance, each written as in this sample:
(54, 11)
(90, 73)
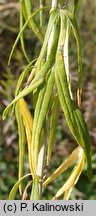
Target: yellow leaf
(28, 123)
(67, 193)
(72, 180)
(71, 159)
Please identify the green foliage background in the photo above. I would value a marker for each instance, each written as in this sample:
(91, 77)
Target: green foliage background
(64, 142)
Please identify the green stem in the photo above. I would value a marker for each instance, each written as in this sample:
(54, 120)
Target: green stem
(36, 193)
(36, 189)
(41, 14)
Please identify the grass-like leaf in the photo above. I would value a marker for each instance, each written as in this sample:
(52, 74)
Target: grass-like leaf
(76, 34)
(22, 142)
(22, 37)
(15, 187)
(22, 30)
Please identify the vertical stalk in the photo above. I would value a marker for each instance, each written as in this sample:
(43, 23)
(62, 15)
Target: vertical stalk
(36, 189)
(36, 193)
(41, 13)
(54, 4)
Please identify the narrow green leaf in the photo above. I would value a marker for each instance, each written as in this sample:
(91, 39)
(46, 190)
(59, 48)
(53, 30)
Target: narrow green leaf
(20, 82)
(32, 24)
(28, 6)
(23, 75)
(46, 96)
(22, 30)
(42, 55)
(22, 37)
(22, 94)
(76, 4)
(41, 14)
(53, 121)
(73, 115)
(15, 187)
(22, 4)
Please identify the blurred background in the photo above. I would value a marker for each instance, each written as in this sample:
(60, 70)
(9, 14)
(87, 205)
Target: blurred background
(64, 142)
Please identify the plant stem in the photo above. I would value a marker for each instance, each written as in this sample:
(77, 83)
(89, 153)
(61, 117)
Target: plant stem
(36, 189)
(41, 13)
(36, 193)
(54, 4)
